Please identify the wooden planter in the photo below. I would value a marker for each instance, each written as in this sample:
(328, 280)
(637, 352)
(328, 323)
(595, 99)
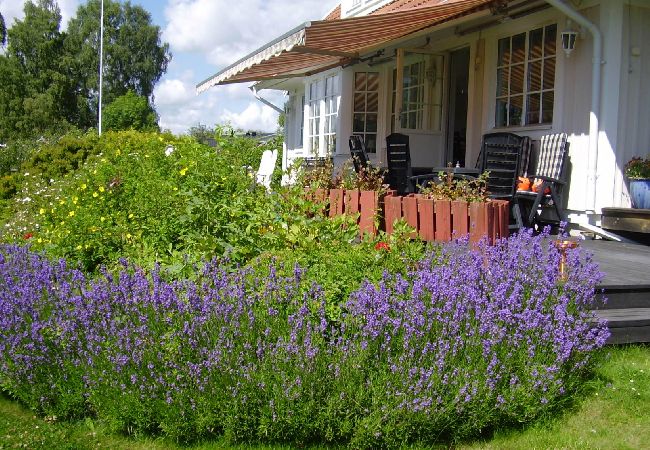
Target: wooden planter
(433, 220)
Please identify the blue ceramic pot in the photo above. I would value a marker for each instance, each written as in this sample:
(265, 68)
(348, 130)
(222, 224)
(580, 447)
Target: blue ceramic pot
(640, 193)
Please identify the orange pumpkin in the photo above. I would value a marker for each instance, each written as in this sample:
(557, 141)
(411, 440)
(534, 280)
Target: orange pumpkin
(537, 184)
(523, 184)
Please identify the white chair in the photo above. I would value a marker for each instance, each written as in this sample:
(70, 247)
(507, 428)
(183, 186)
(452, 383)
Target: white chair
(267, 166)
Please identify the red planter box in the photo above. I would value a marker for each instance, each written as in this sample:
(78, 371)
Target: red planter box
(433, 220)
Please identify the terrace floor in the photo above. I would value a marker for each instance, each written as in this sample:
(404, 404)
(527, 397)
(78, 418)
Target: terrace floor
(626, 287)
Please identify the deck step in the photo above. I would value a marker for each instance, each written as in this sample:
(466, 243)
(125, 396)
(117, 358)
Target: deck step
(627, 325)
(619, 297)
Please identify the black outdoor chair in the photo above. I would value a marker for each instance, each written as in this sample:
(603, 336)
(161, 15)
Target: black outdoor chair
(501, 155)
(398, 158)
(549, 168)
(358, 153)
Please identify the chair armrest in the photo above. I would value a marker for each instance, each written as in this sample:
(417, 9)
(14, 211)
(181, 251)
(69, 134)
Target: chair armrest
(549, 179)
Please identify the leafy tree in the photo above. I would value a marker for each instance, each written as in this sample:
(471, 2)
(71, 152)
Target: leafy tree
(37, 92)
(3, 31)
(134, 56)
(130, 111)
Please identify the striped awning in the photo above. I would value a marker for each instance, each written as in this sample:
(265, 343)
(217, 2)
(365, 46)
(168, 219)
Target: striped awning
(320, 45)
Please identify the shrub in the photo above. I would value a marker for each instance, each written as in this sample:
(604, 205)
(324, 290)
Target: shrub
(130, 112)
(465, 342)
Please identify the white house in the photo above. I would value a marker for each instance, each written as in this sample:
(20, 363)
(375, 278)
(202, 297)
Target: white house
(463, 68)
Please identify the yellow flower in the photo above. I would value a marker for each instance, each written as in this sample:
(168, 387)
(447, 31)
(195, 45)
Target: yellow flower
(183, 171)
(95, 194)
(128, 235)
(71, 213)
(95, 172)
(62, 202)
(175, 188)
(79, 247)
(131, 216)
(101, 188)
(75, 200)
(101, 219)
(84, 186)
(39, 240)
(41, 211)
(118, 152)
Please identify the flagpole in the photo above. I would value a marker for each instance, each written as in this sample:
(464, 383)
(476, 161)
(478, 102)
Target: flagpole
(101, 64)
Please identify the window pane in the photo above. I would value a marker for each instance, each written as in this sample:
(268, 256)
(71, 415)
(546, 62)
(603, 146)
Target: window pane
(532, 109)
(517, 79)
(516, 109)
(504, 52)
(535, 44)
(518, 47)
(502, 82)
(535, 76)
(359, 102)
(373, 102)
(549, 73)
(501, 113)
(547, 107)
(371, 143)
(412, 120)
(371, 123)
(373, 82)
(549, 40)
(360, 81)
(358, 125)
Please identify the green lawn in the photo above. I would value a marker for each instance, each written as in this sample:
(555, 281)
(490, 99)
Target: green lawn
(613, 413)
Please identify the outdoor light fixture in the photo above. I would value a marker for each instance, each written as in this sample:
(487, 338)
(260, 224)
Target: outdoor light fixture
(569, 37)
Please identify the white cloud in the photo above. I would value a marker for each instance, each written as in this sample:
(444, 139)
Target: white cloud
(224, 32)
(255, 117)
(180, 108)
(12, 9)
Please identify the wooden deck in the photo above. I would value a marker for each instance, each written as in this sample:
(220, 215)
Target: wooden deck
(626, 287)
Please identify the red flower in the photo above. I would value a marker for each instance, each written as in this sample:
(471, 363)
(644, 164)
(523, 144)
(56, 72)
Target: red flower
(27, 236)
(382, 246)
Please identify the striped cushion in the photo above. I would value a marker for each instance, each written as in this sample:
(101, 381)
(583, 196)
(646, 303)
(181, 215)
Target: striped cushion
(551, 156)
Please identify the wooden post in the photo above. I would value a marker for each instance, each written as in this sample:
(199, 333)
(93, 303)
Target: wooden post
(336, 202)
(369, 208)
(351, 201)
(399, 89)
(426, 219)
(443, 220)
(410, 211)
(460, 218)
(392, 211)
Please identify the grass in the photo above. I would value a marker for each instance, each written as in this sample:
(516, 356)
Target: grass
(611, 413)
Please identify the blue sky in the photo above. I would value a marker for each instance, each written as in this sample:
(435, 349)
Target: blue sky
(205, 36)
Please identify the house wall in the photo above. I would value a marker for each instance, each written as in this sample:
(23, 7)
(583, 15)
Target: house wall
(634, 107)
(352, 8)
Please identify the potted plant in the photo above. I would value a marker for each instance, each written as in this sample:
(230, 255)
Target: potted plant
(637, 170)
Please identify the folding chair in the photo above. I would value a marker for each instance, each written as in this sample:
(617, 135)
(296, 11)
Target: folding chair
(358, 153)
(398, 156)
(550, 171)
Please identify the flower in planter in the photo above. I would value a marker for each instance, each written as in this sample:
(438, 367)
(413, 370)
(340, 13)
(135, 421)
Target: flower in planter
(638, 168)
(379, 246)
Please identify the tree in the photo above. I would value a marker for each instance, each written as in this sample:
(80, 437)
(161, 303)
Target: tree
(3, 31)
(134, 57)
(36, 92)
(130, 111)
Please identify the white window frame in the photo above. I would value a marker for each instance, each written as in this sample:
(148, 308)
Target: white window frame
(365, 95)
(431, 96)
(322, 114)
(527, 91)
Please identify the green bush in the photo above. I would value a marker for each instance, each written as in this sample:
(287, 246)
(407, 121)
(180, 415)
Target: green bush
(130, 112)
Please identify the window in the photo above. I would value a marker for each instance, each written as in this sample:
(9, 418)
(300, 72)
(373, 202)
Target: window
(302, 121)
(331, 113)
(313, 136)
(365, 108)
(323, 111)
(412, 116)
(526, 78)
(421, 94)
